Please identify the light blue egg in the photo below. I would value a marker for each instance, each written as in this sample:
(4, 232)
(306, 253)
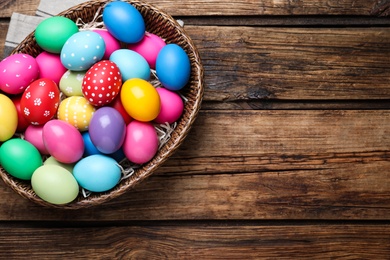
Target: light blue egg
(97, 173)
(82, 50)
(124, 21)
(131, 64)
(173, 67)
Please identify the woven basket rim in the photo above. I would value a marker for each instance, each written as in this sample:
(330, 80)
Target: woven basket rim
(193, 92)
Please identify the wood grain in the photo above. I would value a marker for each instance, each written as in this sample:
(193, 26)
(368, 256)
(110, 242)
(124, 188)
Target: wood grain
(198, 241)
(7, 7)
(249, 63)
(242, 7)
(265, 165)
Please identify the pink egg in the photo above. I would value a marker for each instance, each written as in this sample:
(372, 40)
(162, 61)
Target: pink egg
(141, 142)
(50, 66)
(33, 134)
(172, 106)
(112, 44)
(63, 141)
(149, 47)
(17, 72)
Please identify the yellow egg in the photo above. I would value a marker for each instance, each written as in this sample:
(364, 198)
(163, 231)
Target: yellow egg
(140, 99)
(77, 111)
(8, 118)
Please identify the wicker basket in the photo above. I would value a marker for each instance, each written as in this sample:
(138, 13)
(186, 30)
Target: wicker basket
(165, 26)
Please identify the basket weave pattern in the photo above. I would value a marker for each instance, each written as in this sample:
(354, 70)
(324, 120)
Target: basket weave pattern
(166, 27)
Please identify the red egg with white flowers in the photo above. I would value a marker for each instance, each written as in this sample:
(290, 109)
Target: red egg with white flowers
(40, 101)
(102, 83)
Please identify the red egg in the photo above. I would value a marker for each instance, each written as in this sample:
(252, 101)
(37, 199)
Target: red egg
(102, 83)
(40, 101)
(117, 104)
(22, 121)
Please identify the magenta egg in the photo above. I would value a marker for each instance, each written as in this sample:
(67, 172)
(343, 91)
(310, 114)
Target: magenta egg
(63, 141)
(112, 44)
(17, 72)
(50, 66)
(149, 47)
(33, 134)
(172, 106)
(141, 142)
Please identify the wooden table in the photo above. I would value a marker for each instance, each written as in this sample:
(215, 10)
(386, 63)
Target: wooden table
(289, 157)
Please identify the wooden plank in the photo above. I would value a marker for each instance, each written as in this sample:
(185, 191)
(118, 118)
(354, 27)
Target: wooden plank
(246, 63)
(198, 241)
(252, 63)
(256, 165)
(7, 7)
(242, 7)
(3, 34)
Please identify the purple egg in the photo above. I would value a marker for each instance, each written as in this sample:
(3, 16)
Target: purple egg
(107, 130)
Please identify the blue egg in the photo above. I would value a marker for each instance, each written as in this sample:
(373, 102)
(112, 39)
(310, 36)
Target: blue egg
(173, 67)
(131, 64)
(82, 50)
(124, 21)
(97, 173)
(89, 147)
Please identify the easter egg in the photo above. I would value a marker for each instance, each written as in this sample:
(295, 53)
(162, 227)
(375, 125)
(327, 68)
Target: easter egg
(8, 118)
(77, 111)
(63, 141)
(140, 99)
(117, 104)
(54, 184)
(131, 64)
(107, 130)
(97, 173)
(172, 106)
(19, 158)
(112, 44)
(89, 147)
(82, 50)
(149, 47)
(50, 66)
(52, 161)
(40, 101)
(173, 67)
(22, 121)
(33, 134)
(17, 72)
(102, 83)
(141, 142)
(70, 83)
(124, 21)
(52, 33)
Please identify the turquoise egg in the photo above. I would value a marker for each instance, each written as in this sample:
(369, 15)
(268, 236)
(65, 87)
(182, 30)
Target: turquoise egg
(97, 173)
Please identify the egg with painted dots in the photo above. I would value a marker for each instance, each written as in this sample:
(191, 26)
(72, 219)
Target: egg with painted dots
(102, 83)
(17, 72)
(77, 111)
(82, 50)
(40, 101)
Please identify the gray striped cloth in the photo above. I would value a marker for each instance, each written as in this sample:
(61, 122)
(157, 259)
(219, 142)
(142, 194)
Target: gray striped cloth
(22, 25)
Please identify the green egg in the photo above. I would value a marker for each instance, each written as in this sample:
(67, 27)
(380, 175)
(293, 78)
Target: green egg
(54, 184)
(20, 158)
(71, 82)
(52, 161)
(52, 33)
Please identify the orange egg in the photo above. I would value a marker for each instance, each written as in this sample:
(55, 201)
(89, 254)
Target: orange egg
(140, 99)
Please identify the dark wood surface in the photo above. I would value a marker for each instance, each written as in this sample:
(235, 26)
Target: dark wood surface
(289, 157)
